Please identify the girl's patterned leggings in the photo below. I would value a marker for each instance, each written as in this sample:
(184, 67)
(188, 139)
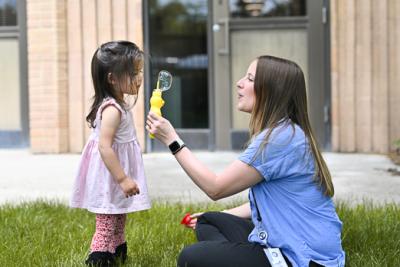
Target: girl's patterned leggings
(110, 232)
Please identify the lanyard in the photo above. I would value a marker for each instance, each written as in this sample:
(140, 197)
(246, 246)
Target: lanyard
(259, 219)
(274, 255)
(261, 233)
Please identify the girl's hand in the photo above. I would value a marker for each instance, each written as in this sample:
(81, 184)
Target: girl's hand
(193, 221)
(161, 128)
(129, 187)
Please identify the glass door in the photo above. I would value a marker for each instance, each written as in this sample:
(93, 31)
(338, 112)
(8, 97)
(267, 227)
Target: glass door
(176, 41)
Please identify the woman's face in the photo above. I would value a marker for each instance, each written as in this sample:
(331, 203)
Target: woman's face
(245, 86)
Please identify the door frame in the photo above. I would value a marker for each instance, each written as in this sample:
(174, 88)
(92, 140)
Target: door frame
(319, 98)
(316, 22)
(202, 138)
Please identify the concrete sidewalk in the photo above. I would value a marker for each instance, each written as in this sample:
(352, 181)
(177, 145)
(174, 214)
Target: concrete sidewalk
(25, 177)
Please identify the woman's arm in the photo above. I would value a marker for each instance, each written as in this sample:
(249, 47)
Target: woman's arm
(242, 211)
(111, 119)
(235, 178)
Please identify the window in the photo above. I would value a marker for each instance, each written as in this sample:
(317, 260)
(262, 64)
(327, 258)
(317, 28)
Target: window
(178, 43)
(267, 8)
(8, 13)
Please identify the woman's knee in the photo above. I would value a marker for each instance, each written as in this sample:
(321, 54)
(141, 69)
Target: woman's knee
(204, 222)
(186, 257)
(211, 217)
(191, 256)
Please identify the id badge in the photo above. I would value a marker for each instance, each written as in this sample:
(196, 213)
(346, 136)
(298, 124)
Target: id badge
(275, 257)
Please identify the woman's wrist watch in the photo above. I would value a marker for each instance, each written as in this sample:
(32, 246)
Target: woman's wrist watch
(176, 146)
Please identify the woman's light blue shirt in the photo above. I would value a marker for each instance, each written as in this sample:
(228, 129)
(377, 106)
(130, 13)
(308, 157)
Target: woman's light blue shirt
(296, 215)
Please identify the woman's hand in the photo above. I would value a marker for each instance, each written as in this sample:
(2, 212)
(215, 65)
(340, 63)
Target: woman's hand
(193, 221)
(161, 128)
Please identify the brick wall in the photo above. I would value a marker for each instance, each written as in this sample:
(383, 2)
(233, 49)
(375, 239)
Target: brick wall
(47, 75)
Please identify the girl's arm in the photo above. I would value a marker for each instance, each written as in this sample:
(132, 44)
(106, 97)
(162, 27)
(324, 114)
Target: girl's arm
(235, 178)
(110, 121)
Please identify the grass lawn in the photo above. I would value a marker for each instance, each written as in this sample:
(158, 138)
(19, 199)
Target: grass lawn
(51, 234)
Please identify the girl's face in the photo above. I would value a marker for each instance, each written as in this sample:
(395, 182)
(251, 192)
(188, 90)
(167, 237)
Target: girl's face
(245, 86)
(132, 85)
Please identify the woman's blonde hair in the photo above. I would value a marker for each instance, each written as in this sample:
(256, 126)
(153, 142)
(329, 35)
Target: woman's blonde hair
(280, 95)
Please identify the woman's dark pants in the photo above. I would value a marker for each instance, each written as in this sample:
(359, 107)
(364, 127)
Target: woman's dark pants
(223, 242)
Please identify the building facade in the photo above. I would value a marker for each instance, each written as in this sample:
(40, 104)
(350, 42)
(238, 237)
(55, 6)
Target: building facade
(346, 48)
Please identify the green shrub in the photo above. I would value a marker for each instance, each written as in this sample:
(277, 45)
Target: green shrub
(397, 146)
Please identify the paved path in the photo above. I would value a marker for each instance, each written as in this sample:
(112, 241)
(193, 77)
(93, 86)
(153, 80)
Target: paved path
(25, 177)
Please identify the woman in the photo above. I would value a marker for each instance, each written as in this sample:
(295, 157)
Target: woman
(290, 196)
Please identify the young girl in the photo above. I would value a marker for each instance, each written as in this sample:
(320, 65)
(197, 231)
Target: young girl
(111, 180)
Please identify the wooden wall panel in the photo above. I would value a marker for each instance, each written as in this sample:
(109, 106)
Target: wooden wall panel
(346, 39)
(89, 23)
(104, 21)
(335, 76)
(363, 81)
(119, 22)
(380, 118)
(135, 34)
(135, 22)
(365, 65)
(394, 71)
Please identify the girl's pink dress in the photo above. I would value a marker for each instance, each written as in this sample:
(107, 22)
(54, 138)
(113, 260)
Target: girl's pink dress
(95, 189)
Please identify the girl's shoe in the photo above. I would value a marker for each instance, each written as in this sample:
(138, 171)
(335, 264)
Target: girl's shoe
(121, 252)
(100, 259)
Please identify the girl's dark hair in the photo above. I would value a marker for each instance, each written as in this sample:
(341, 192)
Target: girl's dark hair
(280, 95)
(121, 59)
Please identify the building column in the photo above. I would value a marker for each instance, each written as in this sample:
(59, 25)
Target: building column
(47, 75)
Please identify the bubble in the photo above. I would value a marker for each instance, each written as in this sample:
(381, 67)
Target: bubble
(164, 81)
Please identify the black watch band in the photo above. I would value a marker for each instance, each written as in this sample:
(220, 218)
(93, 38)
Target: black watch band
(176, 146)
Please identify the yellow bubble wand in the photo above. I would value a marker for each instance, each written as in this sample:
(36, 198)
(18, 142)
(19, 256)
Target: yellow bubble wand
(156, 101)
